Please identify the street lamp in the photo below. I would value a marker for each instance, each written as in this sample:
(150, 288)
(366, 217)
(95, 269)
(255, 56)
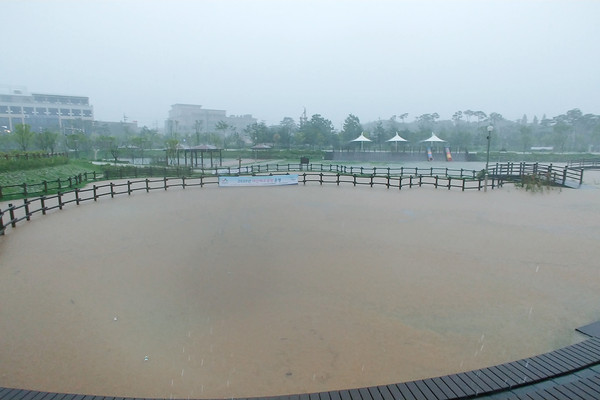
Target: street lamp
(490, 128)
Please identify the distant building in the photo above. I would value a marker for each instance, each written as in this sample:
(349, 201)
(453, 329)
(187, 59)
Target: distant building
(59, 113)
(116, 129)
(187, 119)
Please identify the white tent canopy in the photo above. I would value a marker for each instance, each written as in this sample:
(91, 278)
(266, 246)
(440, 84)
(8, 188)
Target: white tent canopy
(361, 139)
(433, 139)
(397, 138)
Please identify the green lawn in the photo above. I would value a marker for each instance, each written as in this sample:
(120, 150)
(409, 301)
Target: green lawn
(37, 176)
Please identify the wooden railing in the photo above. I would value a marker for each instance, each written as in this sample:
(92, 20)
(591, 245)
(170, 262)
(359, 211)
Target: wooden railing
(552, 174)
(15, 214)
(397, 178)
(589, 163)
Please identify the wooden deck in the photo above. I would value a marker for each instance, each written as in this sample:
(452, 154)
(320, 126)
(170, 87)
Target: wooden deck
(572, 372)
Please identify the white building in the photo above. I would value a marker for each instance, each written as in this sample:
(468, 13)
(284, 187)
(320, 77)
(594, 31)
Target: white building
(188, 119)
(60, 113)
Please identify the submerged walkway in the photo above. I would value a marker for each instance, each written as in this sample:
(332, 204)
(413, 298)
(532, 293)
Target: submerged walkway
(572, 372)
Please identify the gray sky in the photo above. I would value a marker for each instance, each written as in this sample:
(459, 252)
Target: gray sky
(271, 58)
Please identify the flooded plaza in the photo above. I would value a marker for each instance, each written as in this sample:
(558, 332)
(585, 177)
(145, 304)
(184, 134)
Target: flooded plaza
(239, 292)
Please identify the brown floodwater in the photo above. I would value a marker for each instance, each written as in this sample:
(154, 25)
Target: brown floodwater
(237, 292)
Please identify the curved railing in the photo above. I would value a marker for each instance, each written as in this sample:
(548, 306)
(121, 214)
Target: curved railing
(14, 214)
(398, 178)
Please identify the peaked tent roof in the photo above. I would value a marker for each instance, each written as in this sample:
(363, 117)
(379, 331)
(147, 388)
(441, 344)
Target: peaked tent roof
(433, 138)
(361, 138)
(397, 138)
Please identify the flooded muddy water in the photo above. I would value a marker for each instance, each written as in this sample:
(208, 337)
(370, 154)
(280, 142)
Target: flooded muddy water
(238, 292)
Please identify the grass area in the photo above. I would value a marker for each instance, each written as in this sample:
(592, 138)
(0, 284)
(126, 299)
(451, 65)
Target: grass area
(34, 177)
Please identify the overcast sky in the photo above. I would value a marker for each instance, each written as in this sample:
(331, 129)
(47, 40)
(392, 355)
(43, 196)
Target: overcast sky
(272, 58)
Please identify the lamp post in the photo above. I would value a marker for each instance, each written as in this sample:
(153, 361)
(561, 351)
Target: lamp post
(490, 128)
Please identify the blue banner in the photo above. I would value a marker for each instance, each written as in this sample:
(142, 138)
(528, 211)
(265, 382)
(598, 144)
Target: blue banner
(274, 180)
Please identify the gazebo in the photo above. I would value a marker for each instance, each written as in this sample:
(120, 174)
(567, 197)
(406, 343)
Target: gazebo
(397, 139)
(362, 138)
(203, 149)
(430, 141)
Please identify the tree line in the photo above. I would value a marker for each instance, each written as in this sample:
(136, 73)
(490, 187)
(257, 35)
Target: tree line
(572, 131)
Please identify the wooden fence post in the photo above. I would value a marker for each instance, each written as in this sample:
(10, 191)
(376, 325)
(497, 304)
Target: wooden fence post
(11, 213)
(60, 203)
(129, 188)
(1, 223)
(183, 182)
(112, 190)
(165, 182)
(77, 196)
(43, 204)
(27, 213)
(147, 185)
(95, 193)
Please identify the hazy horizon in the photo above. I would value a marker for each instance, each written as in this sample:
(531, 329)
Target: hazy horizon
(268, 58)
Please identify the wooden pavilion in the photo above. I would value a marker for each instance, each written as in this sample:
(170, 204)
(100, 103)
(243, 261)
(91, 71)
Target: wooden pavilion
(204, 150)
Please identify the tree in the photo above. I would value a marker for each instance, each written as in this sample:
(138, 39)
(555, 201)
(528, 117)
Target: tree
(258, 132)
(47, 140)
(76, 141)
(23, 136)
(379, 134)
(427, 122)
(457, 118)
(351, 128)
(171, 145)
(286, 130)
(526, 138)
(317, 131)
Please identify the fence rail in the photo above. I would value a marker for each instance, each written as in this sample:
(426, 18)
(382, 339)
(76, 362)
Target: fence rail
(15, 214)
(398, 178)
(588, 163)
(503, 171)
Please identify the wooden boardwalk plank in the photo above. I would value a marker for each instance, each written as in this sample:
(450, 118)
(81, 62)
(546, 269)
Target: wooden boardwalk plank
(551, 362)
(572, 359)
(592, 384)
(559, 361)
(437, 392)
(527, 373)
(590, 353)
(582, 390)
(510, 377)
(482, 381)
(414, 389)
(403, 390)
(398, 394)
(577, 356)
(355, 394)
(335, 395)
(536, 363)
(562, 393)
(364, 394)
(375, 393)
(469, 389)
(345, 395)
(385, 392)
(540, 396)
(500, 384)
(448, 386)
